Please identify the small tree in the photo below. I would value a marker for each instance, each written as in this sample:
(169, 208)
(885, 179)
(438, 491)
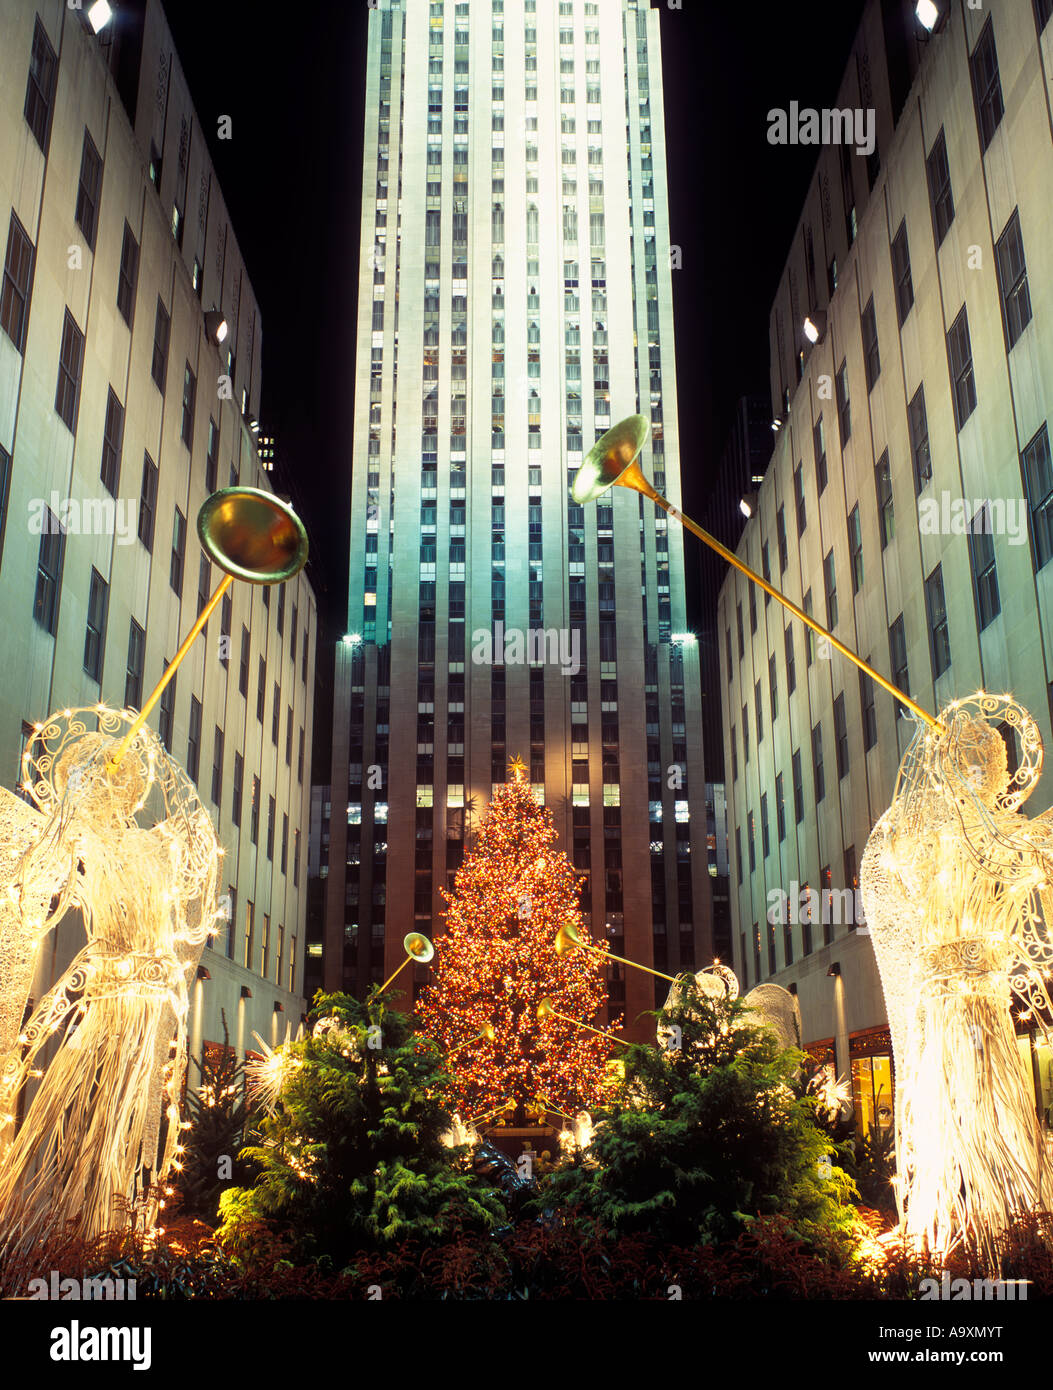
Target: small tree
(353, 1157)
(706, 1135)
(219, 1118)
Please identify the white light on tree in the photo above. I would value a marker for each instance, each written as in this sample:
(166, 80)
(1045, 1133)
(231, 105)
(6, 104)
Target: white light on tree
(955, 883)
(100, 1063)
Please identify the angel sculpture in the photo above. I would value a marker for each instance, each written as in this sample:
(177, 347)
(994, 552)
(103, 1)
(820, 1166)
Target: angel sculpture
(955, 881)
(778, 1008)
(104, 1051)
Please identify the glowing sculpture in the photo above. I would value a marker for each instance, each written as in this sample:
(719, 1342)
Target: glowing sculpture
(777, 1008)
(131, 848)
(953, 879)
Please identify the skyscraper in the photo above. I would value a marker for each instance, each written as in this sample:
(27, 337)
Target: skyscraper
(515, 300)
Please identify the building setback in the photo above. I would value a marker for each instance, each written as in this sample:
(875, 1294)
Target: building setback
(925, 269)
(114, 402)
(515, 301)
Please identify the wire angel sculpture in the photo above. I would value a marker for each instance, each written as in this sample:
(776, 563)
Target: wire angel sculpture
(101, 1061)
(777, 1008)
(955, 882)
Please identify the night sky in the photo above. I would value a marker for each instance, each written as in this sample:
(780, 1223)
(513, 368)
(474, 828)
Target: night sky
(293, 83)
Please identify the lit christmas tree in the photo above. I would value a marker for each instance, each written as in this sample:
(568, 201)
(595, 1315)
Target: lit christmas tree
(495, 962)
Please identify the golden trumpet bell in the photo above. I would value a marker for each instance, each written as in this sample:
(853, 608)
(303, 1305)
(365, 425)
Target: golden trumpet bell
(544, 1009)
(610, 458)
(488, 1032)
(567, 938)
(252, 535)
(418, 946)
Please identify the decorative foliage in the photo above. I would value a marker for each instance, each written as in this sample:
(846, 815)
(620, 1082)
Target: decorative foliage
(495, 963)
(354, 1155)
(955, 881)
(704, 1137)
(219, 1113)
(132, 849)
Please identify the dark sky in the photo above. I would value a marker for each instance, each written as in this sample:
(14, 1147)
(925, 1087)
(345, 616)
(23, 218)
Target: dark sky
(291, 177)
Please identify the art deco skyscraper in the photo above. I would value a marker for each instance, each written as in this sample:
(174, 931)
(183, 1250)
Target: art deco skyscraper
(515, 300)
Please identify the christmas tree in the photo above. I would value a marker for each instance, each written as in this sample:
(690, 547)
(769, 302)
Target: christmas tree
(495, 963)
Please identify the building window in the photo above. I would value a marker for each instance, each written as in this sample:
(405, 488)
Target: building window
(18, 276)
(734, 755)
(765, 835)
(819, 443)
(250, 923)
(296, 859)
(936, 607)
(987, 89)
(791, 661)
(817, 762)
(280, 615)
(742, 635)
(982, 559)
(71, 362)
(773, 688)
(759, 711)
(239, 776)
(95, 633)
(901, 273)
(159, 361)
(844, 405)
(175, 570)
(270, 827)
(133, 676)
(868, 706)
(798, 495)
(1012, 279)
(189, 397)
(1038, 478)
(128, 276)
(961, 355)
(299, 758)
(166, 712)
(49, 572)
(886, 512)
(780, 533)
(254, 812)
(261, 690)
(855, 548)
(738, 852)
(897, 646)
(746, 732)
(265, 964)
(40, 89)
(871, 355)
(87, 209)
(148, 502)
(809, 634)
(1043, 11)
(919, 439)
(798, 787)
(780, 808)
(285, 842)
(217, 766)
(841, 736)
(212, 458)
(830, 584)
(243, 673)
(276, 715)
(112, 437)
(193, 744)
(942, 202)
(5, 488)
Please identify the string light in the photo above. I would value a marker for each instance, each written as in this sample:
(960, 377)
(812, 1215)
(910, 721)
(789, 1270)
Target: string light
(146, 892)
(494, 963)
(953, 881)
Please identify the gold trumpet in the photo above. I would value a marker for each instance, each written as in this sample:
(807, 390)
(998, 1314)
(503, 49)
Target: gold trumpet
(546, 1010)
(253, 536)
(418, 949)
(568, 938)
(612, 462)
(488, 1034)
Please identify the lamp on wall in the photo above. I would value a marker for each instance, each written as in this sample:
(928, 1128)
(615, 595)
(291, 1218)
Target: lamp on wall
(835, 970)
(815, 326)
(99, 15)
(930, 15)
(216, 326)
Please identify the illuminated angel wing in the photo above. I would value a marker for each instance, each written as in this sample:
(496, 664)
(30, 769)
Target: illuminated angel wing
(779, 1012)
(28, 884)
(891, 922)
